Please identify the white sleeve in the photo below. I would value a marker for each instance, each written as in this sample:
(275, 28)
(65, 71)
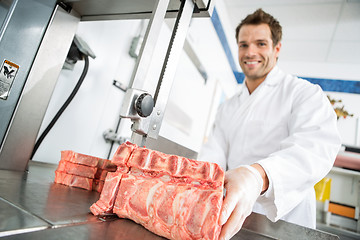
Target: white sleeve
(305, 156)
(215, 149)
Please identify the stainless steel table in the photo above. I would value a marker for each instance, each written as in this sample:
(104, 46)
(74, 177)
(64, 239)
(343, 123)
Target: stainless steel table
(32, 206)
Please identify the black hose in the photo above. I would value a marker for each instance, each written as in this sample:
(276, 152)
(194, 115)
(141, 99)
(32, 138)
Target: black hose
(64, 106)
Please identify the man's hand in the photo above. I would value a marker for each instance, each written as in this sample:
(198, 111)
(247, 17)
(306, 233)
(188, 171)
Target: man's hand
(243, 186)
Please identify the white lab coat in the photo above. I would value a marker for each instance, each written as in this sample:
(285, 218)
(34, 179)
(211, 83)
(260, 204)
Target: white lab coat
(288, 126)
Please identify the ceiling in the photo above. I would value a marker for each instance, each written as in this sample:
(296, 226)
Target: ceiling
(313, 30)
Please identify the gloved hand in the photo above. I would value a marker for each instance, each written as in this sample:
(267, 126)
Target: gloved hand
(243, 186)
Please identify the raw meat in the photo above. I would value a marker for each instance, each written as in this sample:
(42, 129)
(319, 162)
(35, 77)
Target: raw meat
(73, 180)
(107, 198)
(106, 164)
(172, 196)
(122, 154)
(79, 158)
(83, 171)
(76, 169)
(101, 174)
(98, 185)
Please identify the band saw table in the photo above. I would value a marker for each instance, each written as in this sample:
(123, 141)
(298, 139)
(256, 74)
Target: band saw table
(32, 206)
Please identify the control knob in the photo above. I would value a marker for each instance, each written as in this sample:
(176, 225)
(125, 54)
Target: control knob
(144, 105)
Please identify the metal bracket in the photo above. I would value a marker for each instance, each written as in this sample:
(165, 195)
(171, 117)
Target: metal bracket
(128, 106)
(110, 136)
(119, 85)
(140, 125)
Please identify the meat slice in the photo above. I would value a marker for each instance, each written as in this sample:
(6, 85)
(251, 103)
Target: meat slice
(83, 171)
(76, 169)
(122, 154)
(87, 160)
(107, 198)
(172, 196)
(79, 158)
(111, 186)
(73, 180)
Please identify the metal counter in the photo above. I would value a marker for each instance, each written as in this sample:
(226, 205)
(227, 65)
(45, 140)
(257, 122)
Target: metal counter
(32, 206)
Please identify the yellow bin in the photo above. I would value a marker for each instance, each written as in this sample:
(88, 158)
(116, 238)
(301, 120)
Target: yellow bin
(322, 189)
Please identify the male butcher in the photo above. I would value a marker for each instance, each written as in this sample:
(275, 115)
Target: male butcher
(276, 138)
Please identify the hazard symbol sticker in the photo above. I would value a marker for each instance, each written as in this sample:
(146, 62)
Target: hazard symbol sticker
(8, 72)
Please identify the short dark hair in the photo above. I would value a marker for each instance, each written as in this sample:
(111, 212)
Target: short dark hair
(260, 17)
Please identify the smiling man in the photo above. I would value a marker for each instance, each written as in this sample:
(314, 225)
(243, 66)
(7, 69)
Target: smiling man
(276, 138)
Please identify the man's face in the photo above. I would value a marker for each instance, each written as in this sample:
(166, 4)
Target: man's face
(257, 55)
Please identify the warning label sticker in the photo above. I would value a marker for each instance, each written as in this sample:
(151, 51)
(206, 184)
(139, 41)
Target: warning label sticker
(8, 72)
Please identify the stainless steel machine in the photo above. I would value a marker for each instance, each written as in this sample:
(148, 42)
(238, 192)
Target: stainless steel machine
(35, 37)
(34, 30)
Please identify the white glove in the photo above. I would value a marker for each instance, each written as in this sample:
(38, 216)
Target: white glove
(243, 186)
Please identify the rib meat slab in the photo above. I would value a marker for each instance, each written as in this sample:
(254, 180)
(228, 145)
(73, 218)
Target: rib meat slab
(172, 196)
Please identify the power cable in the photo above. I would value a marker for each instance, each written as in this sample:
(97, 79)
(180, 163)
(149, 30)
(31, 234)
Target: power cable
(64, 106)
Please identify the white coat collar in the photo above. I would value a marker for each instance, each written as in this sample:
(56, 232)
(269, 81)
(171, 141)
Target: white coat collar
(274, 76)
(272, 79)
